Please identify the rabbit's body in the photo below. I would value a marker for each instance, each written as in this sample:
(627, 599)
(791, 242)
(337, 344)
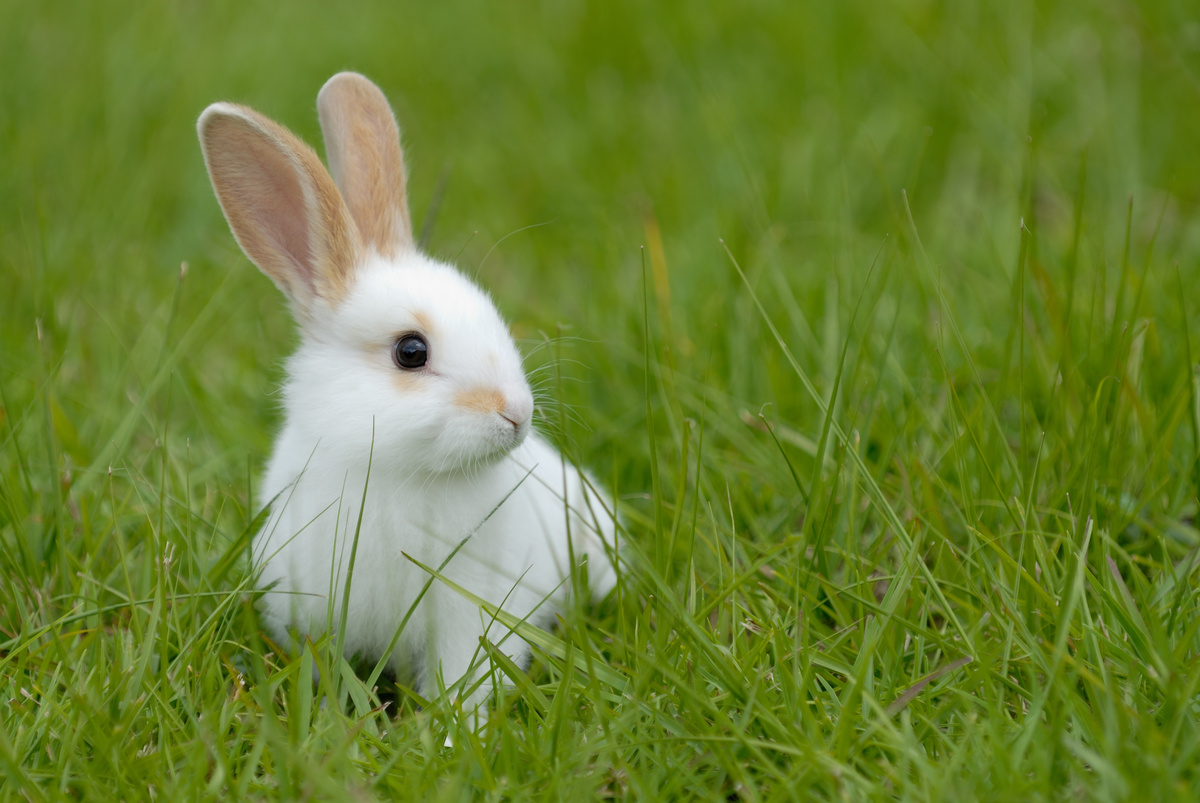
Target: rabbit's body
(405, 369)
(425, 518)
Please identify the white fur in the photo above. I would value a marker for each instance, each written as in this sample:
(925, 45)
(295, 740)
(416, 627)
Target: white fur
(438, 472)
(449, 446)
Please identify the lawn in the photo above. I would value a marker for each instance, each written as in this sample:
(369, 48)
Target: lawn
(877, 319)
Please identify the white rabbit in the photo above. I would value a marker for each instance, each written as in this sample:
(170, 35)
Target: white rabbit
(405, 365)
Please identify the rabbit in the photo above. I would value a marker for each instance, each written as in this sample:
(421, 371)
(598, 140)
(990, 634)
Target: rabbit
(406, 405)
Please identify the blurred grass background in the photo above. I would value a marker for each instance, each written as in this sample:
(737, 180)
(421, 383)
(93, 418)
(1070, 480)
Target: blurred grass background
(973, 225)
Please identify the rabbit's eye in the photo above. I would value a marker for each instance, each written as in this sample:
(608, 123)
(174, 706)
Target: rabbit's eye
(411, 351)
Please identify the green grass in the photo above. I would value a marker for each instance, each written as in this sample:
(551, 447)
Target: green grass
(878, 318)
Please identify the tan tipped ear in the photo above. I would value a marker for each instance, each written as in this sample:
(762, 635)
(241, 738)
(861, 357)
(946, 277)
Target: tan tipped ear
(284, 209)
(362, 144)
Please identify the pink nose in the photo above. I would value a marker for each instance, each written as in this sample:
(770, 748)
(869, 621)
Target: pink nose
(518, 408)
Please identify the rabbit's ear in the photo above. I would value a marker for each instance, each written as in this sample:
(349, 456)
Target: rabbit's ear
(362, 144)
(281, 204)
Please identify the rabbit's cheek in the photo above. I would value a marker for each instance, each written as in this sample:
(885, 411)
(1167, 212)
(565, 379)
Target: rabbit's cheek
(406, 382)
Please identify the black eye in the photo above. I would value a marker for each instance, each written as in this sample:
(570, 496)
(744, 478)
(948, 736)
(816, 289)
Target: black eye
(411, 351)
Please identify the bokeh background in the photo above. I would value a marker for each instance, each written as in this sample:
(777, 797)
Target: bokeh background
(576, 133)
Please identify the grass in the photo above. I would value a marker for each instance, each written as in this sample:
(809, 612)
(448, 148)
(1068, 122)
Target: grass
(878, 318)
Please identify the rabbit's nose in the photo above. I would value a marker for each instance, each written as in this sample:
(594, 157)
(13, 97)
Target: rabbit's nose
(518, 408)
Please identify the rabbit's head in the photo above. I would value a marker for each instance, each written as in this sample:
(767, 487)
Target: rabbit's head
(399, 354)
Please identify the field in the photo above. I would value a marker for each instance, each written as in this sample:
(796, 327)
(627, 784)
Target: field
(877, 319)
